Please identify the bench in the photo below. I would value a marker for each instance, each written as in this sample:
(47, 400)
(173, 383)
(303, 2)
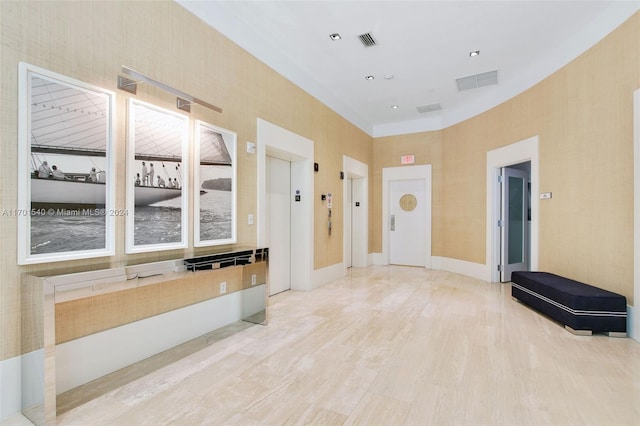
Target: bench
(581, 308)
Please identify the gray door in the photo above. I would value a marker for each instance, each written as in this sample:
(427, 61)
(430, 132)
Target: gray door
(514, 222)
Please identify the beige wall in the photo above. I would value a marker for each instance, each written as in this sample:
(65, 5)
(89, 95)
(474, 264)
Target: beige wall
(583, 117)
(90, 41)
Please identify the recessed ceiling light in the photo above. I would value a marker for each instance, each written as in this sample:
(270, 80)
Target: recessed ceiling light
(388, 77)
(394, 106)
(335, 36)
(369, 77)
(474, 53)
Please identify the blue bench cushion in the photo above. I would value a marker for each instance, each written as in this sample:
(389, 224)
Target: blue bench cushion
(578, 305)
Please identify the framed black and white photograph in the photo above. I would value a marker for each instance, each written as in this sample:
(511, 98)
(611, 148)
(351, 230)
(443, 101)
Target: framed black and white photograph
(65, 182)
(157, 178)
(215, 191)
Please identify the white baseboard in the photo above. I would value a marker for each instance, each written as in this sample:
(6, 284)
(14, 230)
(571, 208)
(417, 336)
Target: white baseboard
(470, 269)
(633, 323)
(326, 275)
(88, 358)
(32, 378)
(377, 259)
(10, 387)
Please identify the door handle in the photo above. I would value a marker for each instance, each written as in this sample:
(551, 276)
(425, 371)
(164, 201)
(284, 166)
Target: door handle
(393, 222)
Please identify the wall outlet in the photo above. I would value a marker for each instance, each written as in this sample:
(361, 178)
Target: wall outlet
(223, 287)
(253, 279)
(250, 219)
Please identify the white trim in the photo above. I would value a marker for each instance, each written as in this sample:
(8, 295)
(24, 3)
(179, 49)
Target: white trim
(402, 173)
(326, 275)
(10, 387)
(282, 143)
(519, 152)
(353, 168)
(633, 328)
(463, 267)
(633, 323)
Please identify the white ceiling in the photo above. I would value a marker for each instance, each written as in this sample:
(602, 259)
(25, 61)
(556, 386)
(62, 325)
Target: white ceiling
(425, 45)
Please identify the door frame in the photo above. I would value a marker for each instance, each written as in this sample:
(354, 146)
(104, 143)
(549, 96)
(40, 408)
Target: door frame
(358, 173)
(516, 153)
(405, 173)
(284, 144)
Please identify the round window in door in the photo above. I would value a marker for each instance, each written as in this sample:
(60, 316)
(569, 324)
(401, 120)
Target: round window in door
(408, 202)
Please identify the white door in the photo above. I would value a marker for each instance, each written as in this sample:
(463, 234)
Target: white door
(278, 200)
(408, 222)
(514, 222)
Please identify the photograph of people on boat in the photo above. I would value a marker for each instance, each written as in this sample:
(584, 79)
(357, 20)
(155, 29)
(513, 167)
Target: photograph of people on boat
(158, 142)
(69, 139)
(216, 174)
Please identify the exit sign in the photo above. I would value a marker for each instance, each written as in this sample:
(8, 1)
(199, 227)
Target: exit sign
(407, 159)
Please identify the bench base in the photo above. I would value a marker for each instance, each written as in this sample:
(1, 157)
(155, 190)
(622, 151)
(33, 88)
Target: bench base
(578, 332)
(589, 332)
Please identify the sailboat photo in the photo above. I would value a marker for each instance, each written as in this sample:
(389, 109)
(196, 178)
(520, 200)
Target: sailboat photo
(215, 173)
(69, 135)
(156, 178)
(64, 183)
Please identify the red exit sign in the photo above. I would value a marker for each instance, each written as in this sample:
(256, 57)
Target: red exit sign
(407, 159)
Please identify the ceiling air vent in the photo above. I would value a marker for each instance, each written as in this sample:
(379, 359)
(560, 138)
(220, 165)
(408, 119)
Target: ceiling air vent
(367, 40)
(477, 80)
(429, 108)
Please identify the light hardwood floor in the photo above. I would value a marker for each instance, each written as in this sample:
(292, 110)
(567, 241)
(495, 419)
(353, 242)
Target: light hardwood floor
(388, 346)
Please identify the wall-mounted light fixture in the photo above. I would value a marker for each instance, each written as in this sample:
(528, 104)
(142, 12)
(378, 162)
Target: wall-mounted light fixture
(183, 102)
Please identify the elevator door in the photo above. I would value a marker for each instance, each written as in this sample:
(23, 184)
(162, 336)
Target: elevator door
(278, 186)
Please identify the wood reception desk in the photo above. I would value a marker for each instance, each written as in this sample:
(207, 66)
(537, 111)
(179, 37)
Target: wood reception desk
(81, 326)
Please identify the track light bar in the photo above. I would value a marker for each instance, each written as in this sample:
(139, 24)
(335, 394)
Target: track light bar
(184, 99)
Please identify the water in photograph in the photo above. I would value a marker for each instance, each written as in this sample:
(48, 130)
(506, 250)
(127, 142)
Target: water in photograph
(215, 215)
(159, 223)
(58, 231)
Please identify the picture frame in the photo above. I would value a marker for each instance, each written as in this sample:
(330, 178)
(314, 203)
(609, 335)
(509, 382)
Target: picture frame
(64, 212)
(215, 180)
(157, 178)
